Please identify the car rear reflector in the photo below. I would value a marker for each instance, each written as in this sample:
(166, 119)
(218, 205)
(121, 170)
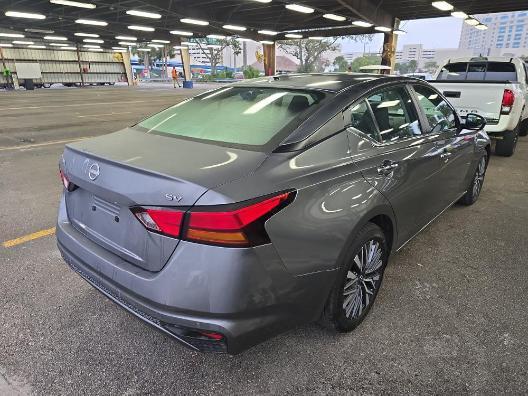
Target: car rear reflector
(69, 186)
(241, 225)
(508, 99)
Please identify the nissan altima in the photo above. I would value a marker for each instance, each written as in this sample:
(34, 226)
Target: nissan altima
(244, 211)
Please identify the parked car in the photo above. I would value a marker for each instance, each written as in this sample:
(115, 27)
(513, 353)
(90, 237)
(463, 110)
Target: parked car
(279, 207)
(495, 88)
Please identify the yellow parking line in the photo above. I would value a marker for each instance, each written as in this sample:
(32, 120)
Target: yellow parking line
(29, 237)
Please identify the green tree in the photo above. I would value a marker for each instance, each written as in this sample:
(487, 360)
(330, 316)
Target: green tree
(251, 72)
(364, 61)
(213, 49)
(413, 66)
(402, 68)
(309, 52)
(430, 66)
(341, 63)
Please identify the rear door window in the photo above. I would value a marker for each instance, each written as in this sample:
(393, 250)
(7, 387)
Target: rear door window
(479, 71)
(454, 71)
(395, 114)
(500, 71)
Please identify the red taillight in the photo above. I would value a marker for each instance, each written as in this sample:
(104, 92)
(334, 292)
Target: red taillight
(211, 335)
(508, 99)
(69, 186)
(164, 221)
(242, 226)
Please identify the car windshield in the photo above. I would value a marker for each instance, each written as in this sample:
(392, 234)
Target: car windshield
(479, 71)
(237, 116)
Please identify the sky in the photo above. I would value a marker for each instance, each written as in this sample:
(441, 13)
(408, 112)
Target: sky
(432, 33)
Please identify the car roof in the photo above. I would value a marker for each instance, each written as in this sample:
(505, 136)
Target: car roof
(329, 82)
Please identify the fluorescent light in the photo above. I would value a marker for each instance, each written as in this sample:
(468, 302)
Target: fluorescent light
(13, 35)
(268, 32)
(128, 43)
(119, 49)
(263, 1)
(29, 15)
(382, 29)
(24, 42)
(58, 45)
(68, 48)
(362, 24)
(235, 27)
(73, 4)
(334, 17)
(442, 5)
(126, 38)
(181, 33)
(472, 22)
(216, 36)
(179, 47)
(155, 45)
(91, 22)
(93, 41)
(95, 49)
(267, 42)
(316, 38)
(37, 46)
(299, 8)
(399, 31)
(86, 34)
(56, 38)
(144, 49)
(481, 27)
(194, 21)
(459, 14)
(142, 28)
(145, 14)
(189, 43)
(40, 31)
(91, 46)
(161, 41)
(291, 35)
(5, 45)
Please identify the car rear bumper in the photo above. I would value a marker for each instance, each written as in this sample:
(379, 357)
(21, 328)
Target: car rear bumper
(246, 295)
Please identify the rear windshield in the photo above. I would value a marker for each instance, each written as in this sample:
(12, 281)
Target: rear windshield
(479, 71)
(236, 116)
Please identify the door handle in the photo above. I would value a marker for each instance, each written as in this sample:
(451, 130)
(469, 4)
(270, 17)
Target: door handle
(387, 167)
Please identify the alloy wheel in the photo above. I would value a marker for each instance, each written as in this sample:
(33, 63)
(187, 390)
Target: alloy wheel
(479, 177)
(363, 279)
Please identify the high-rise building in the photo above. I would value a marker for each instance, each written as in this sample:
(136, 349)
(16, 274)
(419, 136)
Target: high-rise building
(507, 33)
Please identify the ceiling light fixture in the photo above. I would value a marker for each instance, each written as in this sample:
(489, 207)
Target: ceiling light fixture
(442, 5)
(399, 31)
(144, 49)
(181, 33)
(68, 48)
(194, 21)
(179, 47)
(24, 42)
(128, 43)
(86, 34)
(119, 48)
(126, 38)
(91, 46)
(472, 21)
(263, 1)
(93, 41)
(155, 45)
(334, 17)
(56, 38)
(235, 27)
(91, 22)
(40, 31)
(189, 43)
(294, 36)
(142, 28)
(382, 29)
(95, 49)
(13, 35)
(268, 32)
(267, 42)
(144, 14)
(299, 8)
(36, 46)
(242, 39)
(362, 24)
(161, 41)
(316, 38)
(5, 45)
(73, 4)
(216, 36)
(481, 27)
(459, 14)
(29, 15)
(58, 45)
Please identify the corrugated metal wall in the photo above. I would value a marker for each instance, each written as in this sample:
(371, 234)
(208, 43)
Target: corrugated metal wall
(61, 66)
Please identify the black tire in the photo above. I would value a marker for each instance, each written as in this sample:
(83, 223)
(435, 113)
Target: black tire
(477, 182)
(354, 281)
(523, 130)
(506, 146)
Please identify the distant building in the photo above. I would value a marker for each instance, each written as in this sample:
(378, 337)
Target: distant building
(507, 34)
(422, 55)
(283, 64)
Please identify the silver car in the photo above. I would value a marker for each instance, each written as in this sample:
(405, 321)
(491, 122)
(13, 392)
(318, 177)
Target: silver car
(245, 211)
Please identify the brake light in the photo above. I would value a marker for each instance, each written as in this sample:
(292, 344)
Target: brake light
(164, 221)
(508, 99)
(242, 226)
(69, 186)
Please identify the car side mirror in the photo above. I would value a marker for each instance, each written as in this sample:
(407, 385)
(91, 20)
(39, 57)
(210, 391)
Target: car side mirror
(474, 122)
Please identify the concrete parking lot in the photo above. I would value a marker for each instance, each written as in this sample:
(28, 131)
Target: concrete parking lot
(451, 316)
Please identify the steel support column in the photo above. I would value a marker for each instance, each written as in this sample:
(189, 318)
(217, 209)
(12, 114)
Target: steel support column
(269, 59)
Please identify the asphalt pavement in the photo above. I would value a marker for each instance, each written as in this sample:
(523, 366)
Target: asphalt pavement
(451, 316)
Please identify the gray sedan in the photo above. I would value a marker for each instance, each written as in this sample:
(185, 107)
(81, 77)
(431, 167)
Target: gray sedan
(245, 211)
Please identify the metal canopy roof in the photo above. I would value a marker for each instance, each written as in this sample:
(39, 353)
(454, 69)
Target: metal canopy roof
(252, 14)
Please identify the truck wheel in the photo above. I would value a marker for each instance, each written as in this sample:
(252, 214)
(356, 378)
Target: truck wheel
(506, 146)
(524, 128)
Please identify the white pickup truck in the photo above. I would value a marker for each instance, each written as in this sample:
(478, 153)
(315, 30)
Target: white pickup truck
(493, 87)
